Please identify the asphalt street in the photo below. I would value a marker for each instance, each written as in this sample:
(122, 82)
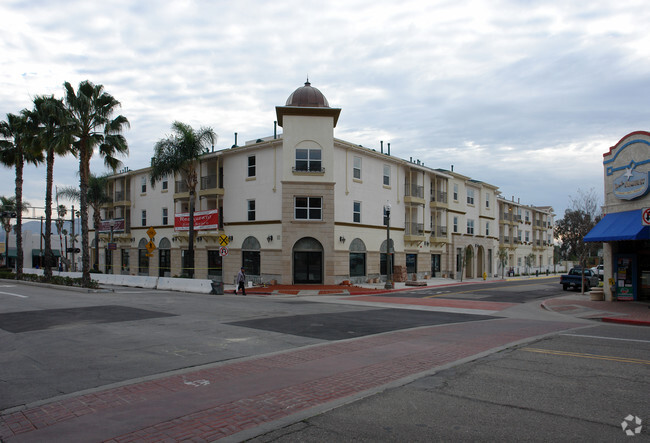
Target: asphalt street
(576, 383)
(574, 386)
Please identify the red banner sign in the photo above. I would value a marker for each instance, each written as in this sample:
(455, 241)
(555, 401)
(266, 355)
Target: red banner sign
(118, 225)
(202, 220)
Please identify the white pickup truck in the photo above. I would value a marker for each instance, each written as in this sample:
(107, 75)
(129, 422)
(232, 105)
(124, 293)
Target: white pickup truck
(598, 270)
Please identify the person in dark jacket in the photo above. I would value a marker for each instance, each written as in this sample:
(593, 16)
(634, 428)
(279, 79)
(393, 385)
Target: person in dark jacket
(241, 281)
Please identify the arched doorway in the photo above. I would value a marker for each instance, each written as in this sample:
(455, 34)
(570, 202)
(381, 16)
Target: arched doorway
(250, 251)
(469, 261)
(480, 267)
(308, 261)
(143, 258)
(357, 259)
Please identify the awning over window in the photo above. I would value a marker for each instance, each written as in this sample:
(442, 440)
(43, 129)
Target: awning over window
(38, 252)
(619, 226)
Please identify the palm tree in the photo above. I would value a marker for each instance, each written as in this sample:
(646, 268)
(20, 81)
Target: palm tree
(90, 125)
(9, 211)
(15, 150)
(96, 197)
(179, 153)
(48, 119)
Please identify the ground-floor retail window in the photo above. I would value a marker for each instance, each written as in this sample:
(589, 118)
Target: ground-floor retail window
(251, 262)
(214, 264)
(164, 262)
(108, 261)
(435, 265)
(411, 263)
(143, 262)
(124, 262)
(383, 264)
(357, 264)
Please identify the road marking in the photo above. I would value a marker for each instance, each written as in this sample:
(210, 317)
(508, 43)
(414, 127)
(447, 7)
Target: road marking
(15, 295)
(606, 338)
(476, 290)
(592, 356)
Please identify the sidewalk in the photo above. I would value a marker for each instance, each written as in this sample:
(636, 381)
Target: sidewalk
(623, 312)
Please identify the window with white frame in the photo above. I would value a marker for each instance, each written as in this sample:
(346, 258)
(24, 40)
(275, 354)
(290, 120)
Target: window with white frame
(165, 216)
(165, 183)
(251, 209)
(470, 196)
(487, 228)
(308, 208)
(356, 168)
(470, 226)
(455, 192)
(386, 175)
(251, 166)
(527, 236)
(356, 212)
(487, 199)
(143, 183)
(455, 223)
(144, 217)
(527, 216)
(309, 160)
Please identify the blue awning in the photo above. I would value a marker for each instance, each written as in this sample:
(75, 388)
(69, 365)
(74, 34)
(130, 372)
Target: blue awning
(619, 226)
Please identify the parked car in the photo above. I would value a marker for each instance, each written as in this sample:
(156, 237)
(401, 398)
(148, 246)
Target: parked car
(574, 279)
(598, 270)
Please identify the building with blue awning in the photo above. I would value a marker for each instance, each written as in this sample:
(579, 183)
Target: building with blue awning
(624, 230)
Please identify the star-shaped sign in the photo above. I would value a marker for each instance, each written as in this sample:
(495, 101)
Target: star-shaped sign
(628, 173)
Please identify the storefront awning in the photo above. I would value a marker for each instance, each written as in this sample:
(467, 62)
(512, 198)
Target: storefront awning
(39, 252)
(619, 226)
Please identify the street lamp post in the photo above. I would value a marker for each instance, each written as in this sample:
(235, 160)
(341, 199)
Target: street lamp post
(389, 262)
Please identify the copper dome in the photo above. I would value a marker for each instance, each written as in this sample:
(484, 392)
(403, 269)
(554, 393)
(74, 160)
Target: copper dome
(308, 97)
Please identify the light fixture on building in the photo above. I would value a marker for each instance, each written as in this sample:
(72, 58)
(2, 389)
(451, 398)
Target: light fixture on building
(269, 238)
(342, 239)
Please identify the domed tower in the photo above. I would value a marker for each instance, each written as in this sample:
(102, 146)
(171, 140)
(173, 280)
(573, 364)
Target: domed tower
(308, 179)
(307, 101)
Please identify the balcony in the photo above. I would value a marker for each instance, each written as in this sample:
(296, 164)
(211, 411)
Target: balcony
(439, 199)
(414, 231)
(439, 234)
(210, 186)
(181, 190)
(413, 194)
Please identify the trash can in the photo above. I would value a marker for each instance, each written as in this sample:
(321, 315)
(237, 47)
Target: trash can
(217, 287)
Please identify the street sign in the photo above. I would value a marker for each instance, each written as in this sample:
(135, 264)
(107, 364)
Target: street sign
(151, 232)
(224, 240)
(150, 246)
(112, 246)
(149, 254)
(223, 251)
(74, 250)
(645, 217)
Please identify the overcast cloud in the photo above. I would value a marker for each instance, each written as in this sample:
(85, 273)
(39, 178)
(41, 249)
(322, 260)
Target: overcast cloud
(525, 95)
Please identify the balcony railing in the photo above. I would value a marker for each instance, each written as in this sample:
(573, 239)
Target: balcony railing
(439, 231)
(413, 190)
(414, 229)
(209, 182)
(440, 197)
(180, 187)
(507, 216)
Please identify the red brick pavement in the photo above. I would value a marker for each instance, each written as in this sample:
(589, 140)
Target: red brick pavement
(224, 399)
(626, 312)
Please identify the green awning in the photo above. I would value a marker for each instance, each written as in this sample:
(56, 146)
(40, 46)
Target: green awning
(38, 252)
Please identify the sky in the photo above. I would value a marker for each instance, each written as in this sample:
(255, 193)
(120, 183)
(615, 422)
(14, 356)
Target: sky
(525, 95)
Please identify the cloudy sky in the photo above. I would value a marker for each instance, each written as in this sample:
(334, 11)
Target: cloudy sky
(525, 95)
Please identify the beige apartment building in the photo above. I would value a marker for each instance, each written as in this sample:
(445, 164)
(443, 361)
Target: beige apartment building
(305, 207)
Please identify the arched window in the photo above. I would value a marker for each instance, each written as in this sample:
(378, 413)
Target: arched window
(357, 258)
(250, 250)
(164, 257)
(143, 259)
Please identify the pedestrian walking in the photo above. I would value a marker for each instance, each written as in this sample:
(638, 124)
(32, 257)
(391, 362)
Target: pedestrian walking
(241, 281)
